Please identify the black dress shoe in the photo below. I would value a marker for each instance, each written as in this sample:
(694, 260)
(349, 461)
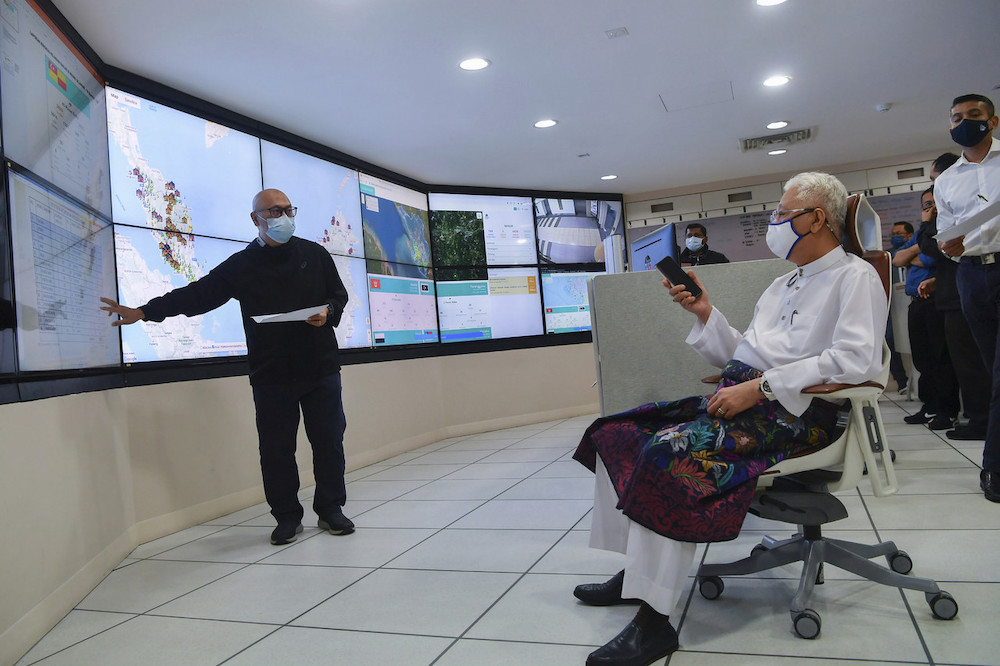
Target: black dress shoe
(608, 593)
(285, 533)
(336, 523)
(990, 483)
(966, 432)
(923, 416)
(647, 638)
(941, 422)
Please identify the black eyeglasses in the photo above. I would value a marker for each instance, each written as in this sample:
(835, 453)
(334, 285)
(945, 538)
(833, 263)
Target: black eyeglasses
(775, 214)
(927, 205)
(278, 211)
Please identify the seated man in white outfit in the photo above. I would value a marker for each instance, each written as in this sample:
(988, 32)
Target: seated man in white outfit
(670, 475)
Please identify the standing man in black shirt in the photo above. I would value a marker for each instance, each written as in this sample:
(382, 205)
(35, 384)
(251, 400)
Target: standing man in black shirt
(696, 252)
(293, 365)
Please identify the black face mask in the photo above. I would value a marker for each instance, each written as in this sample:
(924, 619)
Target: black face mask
(970, 132)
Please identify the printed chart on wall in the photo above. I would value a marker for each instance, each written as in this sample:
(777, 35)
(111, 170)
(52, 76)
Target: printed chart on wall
(63, 264)
(53, 105)
(174, 171)
(152, 262)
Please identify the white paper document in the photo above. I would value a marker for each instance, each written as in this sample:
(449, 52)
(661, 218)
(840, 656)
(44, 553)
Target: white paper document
(970, 224)
(297, 315)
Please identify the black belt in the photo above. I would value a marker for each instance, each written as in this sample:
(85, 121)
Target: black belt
(982, 259)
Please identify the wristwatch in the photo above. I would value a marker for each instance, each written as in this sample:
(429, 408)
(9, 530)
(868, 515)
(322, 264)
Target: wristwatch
(765, 388)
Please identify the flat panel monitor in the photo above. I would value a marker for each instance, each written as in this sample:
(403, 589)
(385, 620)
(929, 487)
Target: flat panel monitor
(54, 121)
(564, 293)
(489, 304)
(152, 262)
(651, 248)
(355, 328)
(396, 225)
(482, 230)
(572, 231)
(63, 264)
(171, 170)
(402, 303)
(8, 363)
(326, 194)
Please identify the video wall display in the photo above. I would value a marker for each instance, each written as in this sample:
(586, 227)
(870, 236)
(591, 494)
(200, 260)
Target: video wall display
(572, 231)
(53, 105)
(171, 170)
(567, 306)
(355, 328)
(482, 230)
(396, 226)
(152, 262)
(8, 363)
(503, 303)
(402, 301)
(63, 264)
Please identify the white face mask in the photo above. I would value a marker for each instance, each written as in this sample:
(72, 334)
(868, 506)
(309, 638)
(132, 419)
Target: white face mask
(782, 237)
(693, 243)
(280, 229)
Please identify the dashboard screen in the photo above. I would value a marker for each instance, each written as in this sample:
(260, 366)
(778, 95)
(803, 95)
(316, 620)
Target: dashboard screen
(567, 306)
(482, 230)
(572, 231)
(503, 303)
(402, 304)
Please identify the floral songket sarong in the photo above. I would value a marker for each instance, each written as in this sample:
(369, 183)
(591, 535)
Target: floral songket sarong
(690, 476)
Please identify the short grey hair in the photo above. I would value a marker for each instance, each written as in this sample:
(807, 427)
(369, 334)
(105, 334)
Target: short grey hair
(823, 191)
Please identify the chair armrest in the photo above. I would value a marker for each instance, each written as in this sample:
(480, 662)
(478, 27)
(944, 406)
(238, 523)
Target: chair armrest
(823, 389)
(714, 379)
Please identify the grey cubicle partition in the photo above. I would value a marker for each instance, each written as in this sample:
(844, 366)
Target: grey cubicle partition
(639, 331)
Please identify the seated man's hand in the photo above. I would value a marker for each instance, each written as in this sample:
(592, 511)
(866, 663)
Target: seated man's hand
(732, 400)
(698, 306)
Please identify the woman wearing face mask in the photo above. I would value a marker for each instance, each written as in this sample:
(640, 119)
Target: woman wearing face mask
(684, 472)
(696, 252)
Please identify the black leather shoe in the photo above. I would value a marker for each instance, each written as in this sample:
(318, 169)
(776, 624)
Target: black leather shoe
(608, 593)
(965, 433)
(941, 422)
(990, 483)
(336, 523)
(923, 416)
(644, 640)
(285, 533)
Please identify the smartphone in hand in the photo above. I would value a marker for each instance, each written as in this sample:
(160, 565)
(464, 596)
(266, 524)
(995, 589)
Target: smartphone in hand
(673, 272)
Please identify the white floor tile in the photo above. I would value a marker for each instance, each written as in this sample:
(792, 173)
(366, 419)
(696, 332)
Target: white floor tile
(971, 638)
(367, 547)
(450, 457)
(242, 515)
(382, 490)
(513, 455)
(460, 489)
(501, 653)
(427, 603)
(552, 488)
(526, 514)
(234, 544)
(479, 550)
(423, 513)
(934, 512)
(150, 583)
(952, 555)
(78, 625)
(322, 647)
(174, 540)
(573, 555)
(411, 472)
(497, 470)
(564, 468)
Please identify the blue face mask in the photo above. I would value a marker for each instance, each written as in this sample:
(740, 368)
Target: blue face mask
(898, 242)
(970, 132)
(280, 229)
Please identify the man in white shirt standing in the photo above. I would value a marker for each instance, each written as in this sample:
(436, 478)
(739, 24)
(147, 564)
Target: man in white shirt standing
(669, 475)
(961, 191)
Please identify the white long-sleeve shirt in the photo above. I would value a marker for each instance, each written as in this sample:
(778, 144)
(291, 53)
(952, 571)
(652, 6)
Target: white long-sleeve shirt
(964, 189)
(822, 323)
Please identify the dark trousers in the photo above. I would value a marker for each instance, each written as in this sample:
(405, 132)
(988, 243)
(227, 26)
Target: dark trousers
(979, 289)
(973, 379)
(938, 387)
(277, 426)
(896, 367)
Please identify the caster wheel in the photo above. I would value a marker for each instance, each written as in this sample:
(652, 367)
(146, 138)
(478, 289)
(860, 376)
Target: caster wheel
(711, 587)
(807, 624)
(943, 605)
(900, 562)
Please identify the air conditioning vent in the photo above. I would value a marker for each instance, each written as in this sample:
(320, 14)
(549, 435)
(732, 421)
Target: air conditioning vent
(662, 207)
(780, 140)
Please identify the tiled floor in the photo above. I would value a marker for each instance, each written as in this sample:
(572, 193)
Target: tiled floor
(467, 552)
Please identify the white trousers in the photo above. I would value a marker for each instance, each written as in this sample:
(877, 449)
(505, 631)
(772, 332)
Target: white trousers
(656, 568)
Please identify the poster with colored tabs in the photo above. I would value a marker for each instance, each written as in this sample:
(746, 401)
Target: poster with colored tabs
(326, 194)
(506, 303)
(355, 328)
(171, 170)
(63, 264)
(572, 231)
(567, 308)
(54, 121)
(402, 303)
(396, 226)
(152, 262)
(482, 230)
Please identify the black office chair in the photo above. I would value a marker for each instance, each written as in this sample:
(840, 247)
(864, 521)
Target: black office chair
(800, 490)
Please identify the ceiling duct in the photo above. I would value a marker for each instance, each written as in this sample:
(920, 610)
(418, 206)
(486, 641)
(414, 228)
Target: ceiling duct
(779, 140)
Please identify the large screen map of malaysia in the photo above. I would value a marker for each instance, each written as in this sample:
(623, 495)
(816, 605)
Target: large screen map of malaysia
(396, 226)
(152, 262)
(63, 264)
(174, 171)
(53, 105)
(567, 306)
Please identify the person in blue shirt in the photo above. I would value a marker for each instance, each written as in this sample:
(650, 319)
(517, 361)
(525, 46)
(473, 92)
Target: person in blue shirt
(937, 387)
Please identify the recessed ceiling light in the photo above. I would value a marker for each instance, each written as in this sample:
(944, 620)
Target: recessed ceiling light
(777, 124)
(610, 176)
(778, 80)
(548, 122)
(473, 64)
(780, 151)
(769, 3)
